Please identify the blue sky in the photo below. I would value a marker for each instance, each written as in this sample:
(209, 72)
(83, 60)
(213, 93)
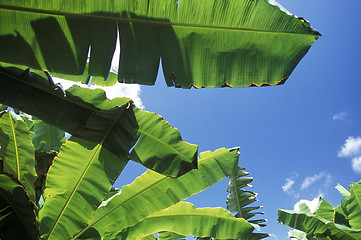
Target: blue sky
(298, 140)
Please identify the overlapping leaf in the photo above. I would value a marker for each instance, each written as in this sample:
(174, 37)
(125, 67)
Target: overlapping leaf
(47, 137)
(81, 107)
(20, 221)
(32, 94)
(205, 43)
(17, 151)
(327, 222)
(79, 179)
(184, 219)
(160, 146)
(152, 192)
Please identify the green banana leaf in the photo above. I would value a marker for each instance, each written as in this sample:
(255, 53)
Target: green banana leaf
(77, 182)
(204, 43)
(238, 200)
(184, 219)
(158, 143)
(352, 204)
(17, 151)
(166, 235)
(21, 222)
(77, 107)
(47, 137)
(321, 224)
(152, 192)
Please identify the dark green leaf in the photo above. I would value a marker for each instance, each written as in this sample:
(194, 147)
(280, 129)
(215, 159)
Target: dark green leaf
(20, 222)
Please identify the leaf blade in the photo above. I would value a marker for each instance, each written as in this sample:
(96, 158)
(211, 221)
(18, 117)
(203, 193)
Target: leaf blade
(184, 219)
(111, 217)
(199, 42)
(18, 151)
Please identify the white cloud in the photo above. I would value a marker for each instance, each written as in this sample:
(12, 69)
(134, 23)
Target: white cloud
(308, 181)
(289, 183)
(351, 147)
(356, 164)
(124, 90)
(339, 116)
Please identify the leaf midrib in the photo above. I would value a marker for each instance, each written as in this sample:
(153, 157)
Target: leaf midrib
(17, 158)
(93, 157)
(165, 144)
(233, 177)
(150, 22)
(140, 192)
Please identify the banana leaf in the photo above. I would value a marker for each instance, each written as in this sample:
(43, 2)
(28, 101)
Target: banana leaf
(77, 107)
(184, 219)
(47, 137)
(352, 204)
(159, 142)
(152, 192)
(204, 43)
(77, 182)
(323, 223)
(20, 222)
(17, 151)
(238, 200)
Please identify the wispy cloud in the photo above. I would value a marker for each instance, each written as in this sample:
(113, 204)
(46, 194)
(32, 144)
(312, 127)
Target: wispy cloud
(311, 186)
(287, 186)
(308, 181)
(339, 116)
(352, 149)
(289, 183)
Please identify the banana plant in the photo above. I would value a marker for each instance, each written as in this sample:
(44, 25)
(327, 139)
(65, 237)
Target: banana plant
(89, 115)
(204, 43)
(80, 203)
(324, 221)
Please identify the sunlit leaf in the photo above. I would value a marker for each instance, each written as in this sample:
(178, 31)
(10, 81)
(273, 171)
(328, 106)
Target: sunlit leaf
(17, 151)
(205, 43)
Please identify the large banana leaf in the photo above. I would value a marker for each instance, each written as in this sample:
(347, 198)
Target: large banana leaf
(79, 179)
(152, 192)
(20, 223)
(204, 43)
(76, 107)
(17, 151)
(184, 219)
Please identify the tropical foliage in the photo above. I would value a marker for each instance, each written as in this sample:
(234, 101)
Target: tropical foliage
(204, 43)
(73, 198)
(52, 188)
(321, 220)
